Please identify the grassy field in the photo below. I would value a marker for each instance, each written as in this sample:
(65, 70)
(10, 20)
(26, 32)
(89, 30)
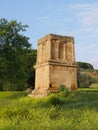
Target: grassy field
(68, 111)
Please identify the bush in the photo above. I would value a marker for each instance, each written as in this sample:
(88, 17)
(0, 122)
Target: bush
(84, 80)
(19, 86)
(64, 92)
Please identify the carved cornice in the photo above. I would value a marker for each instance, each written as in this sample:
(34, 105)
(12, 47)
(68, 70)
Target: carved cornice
(56, 63)
(60, 38)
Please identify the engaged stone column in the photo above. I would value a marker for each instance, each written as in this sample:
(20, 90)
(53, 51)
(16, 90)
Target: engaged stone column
(43, 52)
(62, 51)
(73, 52)
(39, 54)
(65, 51)
(57, 50)
(49, 49)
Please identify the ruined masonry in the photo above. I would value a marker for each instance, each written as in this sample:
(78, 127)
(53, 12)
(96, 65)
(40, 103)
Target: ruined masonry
(55, 65)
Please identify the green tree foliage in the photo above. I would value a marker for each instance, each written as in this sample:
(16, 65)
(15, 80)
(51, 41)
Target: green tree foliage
(83, 66)
(29, 67)
(84, 80)
(14, 50)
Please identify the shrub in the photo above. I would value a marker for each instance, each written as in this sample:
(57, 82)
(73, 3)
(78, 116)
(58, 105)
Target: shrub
(62, 88)
(64, 92)
(13, 86)
(84, 80)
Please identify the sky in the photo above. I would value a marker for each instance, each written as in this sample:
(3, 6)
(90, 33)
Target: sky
(77, 18)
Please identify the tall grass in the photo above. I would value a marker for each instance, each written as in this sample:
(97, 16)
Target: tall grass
(74, 111)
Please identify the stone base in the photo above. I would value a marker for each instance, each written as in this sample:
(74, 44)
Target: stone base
(43, 92)
(39, 93)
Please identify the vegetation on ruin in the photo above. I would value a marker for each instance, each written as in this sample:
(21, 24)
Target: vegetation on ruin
(70, 110)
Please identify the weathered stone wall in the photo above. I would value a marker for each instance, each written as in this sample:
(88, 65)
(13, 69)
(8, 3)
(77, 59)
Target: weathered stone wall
(55, 64)
(42, 77)
(63, 75)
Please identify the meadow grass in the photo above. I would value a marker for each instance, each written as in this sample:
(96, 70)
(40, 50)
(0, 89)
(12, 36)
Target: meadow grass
(94, 85)
(68, 111)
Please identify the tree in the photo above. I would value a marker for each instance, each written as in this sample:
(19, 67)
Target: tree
(29, 67)
(83, 66)
(84, 80)
(14, 46)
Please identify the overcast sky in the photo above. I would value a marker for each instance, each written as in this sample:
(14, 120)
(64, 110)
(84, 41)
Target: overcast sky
(77, 18)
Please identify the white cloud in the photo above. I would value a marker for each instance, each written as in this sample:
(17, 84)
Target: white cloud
(87, 14)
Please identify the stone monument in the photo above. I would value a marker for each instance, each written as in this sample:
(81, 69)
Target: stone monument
(55, 65)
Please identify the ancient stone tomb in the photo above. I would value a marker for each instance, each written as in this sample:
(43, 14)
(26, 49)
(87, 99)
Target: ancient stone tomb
(55, 65)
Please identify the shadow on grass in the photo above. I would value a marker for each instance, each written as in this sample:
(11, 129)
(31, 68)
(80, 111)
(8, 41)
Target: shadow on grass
(77, 99)
(81, 99)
